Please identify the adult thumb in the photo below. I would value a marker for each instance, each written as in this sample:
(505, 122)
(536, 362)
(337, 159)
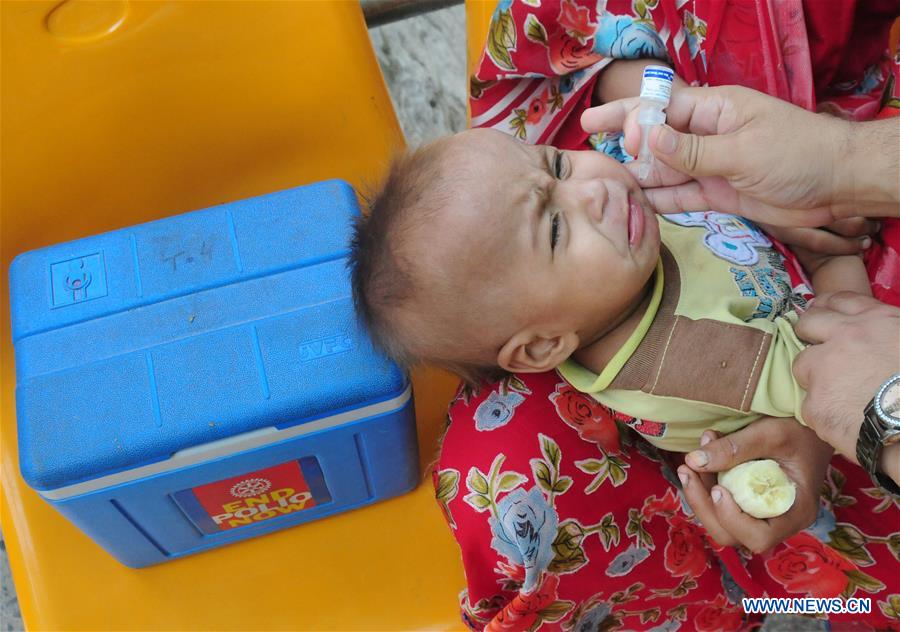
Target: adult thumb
(692, 154)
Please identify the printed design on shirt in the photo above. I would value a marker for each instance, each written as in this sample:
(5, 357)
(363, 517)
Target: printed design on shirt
(593, 614)
(446, 488)
(652, 536)
(648, 428)
(729, 237)
(523, 523)
(624, 562)
(695, 30)
(769, 283)
(593, 421)
(623, 37)
(497, 410)
(501, 41)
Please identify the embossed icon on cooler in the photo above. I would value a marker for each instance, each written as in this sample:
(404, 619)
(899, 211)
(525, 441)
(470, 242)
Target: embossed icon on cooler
(321, 347)
(78, 280)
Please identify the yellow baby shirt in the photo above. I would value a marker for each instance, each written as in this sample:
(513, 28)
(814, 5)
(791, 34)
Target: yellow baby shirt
(715, 347)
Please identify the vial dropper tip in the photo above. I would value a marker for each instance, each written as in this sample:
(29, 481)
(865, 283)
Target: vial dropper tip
(643, 171)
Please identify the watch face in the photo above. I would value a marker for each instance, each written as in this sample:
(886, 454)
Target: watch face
(889, 402)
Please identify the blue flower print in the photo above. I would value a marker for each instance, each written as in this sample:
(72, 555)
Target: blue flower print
(627, 560)
(591, 620)
(497, 410)
(610, 144)
(567, 82)
(620, 37)
(694, 31)
(502, 5)
(824, 524)
(524, 530)
(871, 80)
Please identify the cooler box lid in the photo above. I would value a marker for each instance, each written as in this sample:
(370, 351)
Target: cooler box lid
(136, 344)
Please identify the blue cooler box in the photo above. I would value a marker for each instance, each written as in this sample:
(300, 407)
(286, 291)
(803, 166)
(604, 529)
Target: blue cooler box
(202, 379)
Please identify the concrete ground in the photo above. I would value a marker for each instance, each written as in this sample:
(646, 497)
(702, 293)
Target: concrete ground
(424, 63)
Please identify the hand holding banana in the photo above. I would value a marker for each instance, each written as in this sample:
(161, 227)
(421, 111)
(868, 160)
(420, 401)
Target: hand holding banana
(797, 464)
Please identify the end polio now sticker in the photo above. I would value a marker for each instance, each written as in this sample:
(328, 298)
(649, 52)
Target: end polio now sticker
(256, 496)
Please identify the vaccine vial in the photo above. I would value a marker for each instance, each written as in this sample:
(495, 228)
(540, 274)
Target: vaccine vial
(656, 89)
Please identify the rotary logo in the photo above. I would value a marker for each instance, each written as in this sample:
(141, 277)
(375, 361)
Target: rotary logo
(255, 496)
(251, 487)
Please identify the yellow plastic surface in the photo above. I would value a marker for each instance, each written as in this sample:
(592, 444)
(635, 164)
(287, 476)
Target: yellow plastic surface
(478, 19)
(115, 113)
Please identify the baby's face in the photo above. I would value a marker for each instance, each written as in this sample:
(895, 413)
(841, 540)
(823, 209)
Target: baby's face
(566, 239)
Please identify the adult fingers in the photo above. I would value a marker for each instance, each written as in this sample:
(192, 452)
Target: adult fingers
(714, 193)
(609, 117)
(697, 496)
(803, 366)
(751, 442)
(705, 110)
(854, 227)
(631, 130)
(709, 478)
(847, 303)
(694, 154)
(757, 535)
(745, 529)
(695, 110)
(677, 199)
(818, 240)
(777, 216)
(819, 323)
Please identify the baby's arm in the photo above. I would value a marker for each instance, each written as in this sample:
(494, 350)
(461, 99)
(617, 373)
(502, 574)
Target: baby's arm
(834, 273)
(622, 79)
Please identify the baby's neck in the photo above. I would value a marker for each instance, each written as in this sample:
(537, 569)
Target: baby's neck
(595, 355)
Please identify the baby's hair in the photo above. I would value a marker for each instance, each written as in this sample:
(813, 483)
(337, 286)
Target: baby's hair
(385, 278)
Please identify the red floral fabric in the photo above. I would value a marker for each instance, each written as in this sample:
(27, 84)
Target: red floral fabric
(568, 520)
(565, 518)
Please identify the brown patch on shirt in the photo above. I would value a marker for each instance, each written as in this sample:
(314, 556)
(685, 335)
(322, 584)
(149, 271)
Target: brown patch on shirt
(702, 360)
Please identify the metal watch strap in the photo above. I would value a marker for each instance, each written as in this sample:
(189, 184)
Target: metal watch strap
(886, 483)
(869, 446)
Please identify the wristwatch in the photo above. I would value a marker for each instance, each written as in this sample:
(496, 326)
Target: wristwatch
(880, 428)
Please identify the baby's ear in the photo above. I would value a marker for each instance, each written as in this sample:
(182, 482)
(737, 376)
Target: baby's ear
(529, 351)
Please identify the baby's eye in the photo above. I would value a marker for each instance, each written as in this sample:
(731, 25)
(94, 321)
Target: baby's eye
(558, 165)
(554, 231)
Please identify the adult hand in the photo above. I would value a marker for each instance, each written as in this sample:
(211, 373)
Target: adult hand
(797, 450)
(757, 156)
(856, 348)
(844, 237)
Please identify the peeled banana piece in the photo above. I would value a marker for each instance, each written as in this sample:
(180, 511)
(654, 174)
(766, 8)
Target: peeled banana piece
(760, 488)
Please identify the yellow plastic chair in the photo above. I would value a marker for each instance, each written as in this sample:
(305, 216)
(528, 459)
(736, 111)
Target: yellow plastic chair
(478, 19)
(115, 113)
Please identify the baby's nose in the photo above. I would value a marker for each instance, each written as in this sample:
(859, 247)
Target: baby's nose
(585, 196)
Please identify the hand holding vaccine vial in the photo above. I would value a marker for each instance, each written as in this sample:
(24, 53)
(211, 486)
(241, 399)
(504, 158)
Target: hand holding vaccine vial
(656, 89)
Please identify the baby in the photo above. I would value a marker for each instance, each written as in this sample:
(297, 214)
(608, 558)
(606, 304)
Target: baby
(482, 253)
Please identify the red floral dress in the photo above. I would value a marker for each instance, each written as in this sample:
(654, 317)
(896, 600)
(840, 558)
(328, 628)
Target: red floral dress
(565, 518)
